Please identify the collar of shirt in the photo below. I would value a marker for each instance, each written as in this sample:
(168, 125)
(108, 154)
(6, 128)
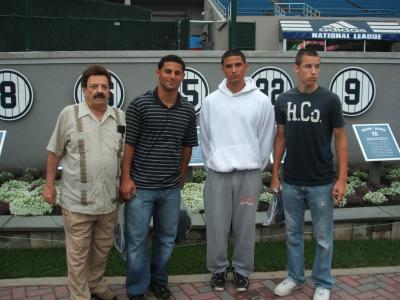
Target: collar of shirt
(158, 100)
(85, 110)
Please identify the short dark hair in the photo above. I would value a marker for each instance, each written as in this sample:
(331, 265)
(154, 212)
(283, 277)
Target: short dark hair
(171, 58)
(306, 51)
(95, 70)
(233, 52)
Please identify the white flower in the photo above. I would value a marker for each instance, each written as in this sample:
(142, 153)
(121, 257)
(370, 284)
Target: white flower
(11, 189)
(29, 204)
(375, 197)
(349, 190)
(266, 197)
(343, 203)
(26, 198)
(192, 195)
(394, 189)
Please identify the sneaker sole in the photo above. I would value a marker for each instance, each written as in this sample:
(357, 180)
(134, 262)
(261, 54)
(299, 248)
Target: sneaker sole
(241, 289)
(218, 289)
(288, 293)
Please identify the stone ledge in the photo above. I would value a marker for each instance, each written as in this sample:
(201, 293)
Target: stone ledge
(31, 223)
(360, 214)
(341, 215)
(4, 220)
(364, 223)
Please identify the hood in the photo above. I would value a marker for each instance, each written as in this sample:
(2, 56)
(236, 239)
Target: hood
(250, 86)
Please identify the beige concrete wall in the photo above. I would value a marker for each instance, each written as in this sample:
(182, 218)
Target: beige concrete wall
(54, 74)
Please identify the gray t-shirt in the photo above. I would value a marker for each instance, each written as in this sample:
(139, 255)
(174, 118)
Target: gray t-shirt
(309, 120)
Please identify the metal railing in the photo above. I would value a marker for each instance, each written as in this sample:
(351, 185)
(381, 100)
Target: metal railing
(224, 11)
(295, 9)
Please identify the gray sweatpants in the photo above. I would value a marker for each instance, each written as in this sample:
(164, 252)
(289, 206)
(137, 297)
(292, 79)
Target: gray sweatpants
(231, 201)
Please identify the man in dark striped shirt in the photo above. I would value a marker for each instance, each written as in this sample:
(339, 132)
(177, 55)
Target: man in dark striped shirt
(161, 131)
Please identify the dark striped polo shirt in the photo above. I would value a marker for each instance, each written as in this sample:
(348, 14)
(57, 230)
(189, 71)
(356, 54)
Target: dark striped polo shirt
(158, 135)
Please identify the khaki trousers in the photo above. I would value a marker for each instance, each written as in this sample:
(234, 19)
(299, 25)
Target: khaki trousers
(89, 239)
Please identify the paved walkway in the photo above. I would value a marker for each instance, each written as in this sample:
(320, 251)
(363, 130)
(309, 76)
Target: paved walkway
(357, 284)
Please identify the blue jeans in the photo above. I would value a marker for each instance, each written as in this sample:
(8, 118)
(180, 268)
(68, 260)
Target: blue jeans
(319, 200)
(163, 205)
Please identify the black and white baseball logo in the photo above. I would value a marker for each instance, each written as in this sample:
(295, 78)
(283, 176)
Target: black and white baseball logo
(117, 91)
(194, 87)
(356, 90)
(16, 95)
(272, 82)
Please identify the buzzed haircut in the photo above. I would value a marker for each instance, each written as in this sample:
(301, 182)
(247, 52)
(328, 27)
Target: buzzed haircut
(171, 58)
(233, 52)
(95, 70)
(305, 51)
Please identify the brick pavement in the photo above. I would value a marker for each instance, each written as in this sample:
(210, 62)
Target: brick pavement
(380, 286)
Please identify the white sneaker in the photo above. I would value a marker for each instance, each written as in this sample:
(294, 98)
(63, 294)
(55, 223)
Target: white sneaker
(321, 294)
(286, 287)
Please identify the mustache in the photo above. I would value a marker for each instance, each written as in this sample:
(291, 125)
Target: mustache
(99, 95)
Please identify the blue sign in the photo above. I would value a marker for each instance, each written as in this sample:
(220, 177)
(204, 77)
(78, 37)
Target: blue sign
(340, 30)
(197, 156)
(377, 142)
(2, 137)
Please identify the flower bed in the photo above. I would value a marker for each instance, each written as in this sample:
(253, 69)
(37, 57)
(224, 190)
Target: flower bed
(23, 196)
(358, 192)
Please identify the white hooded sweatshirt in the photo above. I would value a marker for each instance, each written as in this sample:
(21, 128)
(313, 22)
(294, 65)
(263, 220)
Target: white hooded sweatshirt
(237, 130)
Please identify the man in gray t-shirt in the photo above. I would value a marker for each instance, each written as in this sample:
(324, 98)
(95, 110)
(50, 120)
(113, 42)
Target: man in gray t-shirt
(306, 117)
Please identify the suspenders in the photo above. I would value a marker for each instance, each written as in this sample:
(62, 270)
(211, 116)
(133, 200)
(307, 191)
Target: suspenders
(120, 147)
(82, 153)
(117, 116)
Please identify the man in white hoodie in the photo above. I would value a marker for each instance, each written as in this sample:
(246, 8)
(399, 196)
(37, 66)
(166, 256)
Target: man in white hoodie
(237, 132)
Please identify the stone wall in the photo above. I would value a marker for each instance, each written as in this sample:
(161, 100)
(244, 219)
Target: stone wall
(363, 223)
(343, 232)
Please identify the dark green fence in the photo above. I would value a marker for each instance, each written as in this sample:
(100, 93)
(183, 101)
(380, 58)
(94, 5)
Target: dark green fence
(71, 34)
(246, 35)
(71, 25)
(73, 8)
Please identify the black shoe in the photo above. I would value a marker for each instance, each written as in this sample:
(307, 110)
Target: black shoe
(98, 297)
(240, 282)
(160, 291)
(218, 281)
(136, 297)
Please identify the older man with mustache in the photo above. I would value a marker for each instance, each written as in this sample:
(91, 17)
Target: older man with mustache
(88, 139)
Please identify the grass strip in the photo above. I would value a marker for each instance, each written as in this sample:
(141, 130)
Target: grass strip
(269, 256)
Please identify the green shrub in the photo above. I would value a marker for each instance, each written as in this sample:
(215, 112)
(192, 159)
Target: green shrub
(199, 175)
(393, 175)
(5, 176)
(353, 183)
(360, 174)
(266, 178)
(266, 197)
(394, 189)
(30, 175)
